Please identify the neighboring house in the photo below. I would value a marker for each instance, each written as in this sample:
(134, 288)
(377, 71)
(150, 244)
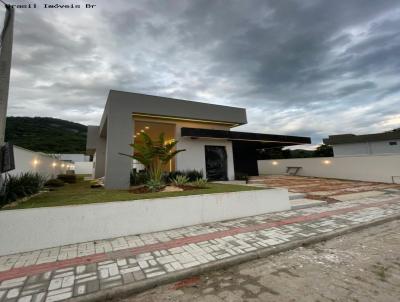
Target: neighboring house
(73, 157)
(385, 143)
(81, 163)
(202, 129)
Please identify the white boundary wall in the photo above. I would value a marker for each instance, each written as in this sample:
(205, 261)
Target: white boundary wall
(83, 167)
(30, 161)
(30, 229)
(383, 168)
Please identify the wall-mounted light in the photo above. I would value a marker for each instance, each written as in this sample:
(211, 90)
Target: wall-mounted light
(62, 165)
(54, 165)
(147, 127)
(138, 133)
(134, 136)
(35, 162)
(142, 130)
(275, 163)
(327, 162)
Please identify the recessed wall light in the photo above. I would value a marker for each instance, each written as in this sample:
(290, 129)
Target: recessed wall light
(327, 162)
(275, 163)
(147, 127)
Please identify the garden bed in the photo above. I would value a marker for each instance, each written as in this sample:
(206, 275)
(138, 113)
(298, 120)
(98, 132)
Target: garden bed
(81, 193)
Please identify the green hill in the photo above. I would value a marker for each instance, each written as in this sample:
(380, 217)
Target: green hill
(46, 134)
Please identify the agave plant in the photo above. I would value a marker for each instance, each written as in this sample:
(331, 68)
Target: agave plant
(199, 183)
(180, 180)
(154, 154)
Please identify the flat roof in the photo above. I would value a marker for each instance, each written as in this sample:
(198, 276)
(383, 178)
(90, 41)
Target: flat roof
(244, 136)
(352, 138)
(138, 103)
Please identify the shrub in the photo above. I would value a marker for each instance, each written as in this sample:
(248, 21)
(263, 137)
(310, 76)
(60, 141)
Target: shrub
(154, 185)
(54, 183)
(154, 154)
(199, 183)
(68, 178)
(180, 180)
(19, 186)
(168, 176)
(193, 175)
(138, 178)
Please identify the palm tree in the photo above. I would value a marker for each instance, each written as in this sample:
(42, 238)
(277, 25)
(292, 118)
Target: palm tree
(154, 155)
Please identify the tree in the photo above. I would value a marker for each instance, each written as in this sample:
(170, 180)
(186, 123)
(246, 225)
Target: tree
(323, 151)
(154, 155)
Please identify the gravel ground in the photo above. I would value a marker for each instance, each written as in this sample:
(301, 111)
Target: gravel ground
(361, 266)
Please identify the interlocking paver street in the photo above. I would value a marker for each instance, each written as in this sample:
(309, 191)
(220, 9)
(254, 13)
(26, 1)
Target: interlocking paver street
(360, 266)
(76, 270)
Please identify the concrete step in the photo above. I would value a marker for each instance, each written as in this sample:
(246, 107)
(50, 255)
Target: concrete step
(293, 196)
(256, 180)
(303, 203)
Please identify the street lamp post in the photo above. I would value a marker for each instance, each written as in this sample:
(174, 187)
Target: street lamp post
(6, 41)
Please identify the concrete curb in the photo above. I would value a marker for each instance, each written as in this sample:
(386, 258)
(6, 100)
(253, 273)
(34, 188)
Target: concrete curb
(129, 289)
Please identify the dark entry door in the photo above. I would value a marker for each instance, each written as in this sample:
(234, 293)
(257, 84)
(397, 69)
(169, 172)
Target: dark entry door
(216, 163)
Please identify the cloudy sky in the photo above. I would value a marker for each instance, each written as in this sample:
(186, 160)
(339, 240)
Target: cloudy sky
(314, 67)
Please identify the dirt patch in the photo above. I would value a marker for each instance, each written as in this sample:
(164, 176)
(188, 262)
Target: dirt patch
(144, 189)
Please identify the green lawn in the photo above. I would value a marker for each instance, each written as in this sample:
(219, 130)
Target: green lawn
(81, 193)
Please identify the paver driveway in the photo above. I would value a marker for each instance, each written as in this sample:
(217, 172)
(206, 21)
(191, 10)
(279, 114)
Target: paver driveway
(331, 190)
(82, 269)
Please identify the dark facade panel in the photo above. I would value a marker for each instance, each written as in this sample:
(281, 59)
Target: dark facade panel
(244, 158)
(245, 136)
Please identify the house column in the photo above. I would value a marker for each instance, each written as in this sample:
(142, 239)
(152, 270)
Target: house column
(120, 131)
(99, 169)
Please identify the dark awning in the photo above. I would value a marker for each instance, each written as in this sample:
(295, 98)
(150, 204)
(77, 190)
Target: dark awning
(244, 136)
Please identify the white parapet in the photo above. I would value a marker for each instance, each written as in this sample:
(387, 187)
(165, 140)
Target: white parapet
(31, 229)
(379, 168)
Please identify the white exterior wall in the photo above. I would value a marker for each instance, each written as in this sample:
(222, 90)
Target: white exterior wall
(367, 168)
(368, 148)
(29, 161)
(30, 229)
(194, 157)
(83, 167)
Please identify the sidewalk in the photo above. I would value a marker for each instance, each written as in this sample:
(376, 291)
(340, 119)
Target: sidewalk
(92, 270)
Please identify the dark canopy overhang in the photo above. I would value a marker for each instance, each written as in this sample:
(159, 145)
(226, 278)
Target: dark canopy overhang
(245, 145)
(258, 138)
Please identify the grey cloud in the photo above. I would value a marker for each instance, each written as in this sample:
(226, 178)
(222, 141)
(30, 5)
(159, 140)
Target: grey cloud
(299, 67)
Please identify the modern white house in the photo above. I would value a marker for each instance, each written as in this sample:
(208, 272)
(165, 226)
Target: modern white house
(202, 129)
(385, 143)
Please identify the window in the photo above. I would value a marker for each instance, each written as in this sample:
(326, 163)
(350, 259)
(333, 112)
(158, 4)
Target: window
(393, 143)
